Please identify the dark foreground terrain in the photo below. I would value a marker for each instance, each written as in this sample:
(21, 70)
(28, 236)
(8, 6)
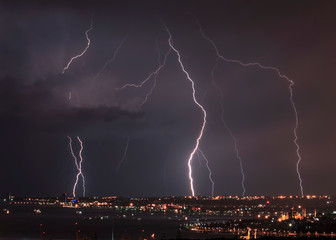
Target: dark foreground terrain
(56, 222)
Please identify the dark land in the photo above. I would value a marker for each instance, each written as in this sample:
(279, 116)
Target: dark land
(224, 217)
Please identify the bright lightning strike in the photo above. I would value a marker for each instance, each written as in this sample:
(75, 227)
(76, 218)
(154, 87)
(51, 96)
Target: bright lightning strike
(290, 87)
(210, 172)
(78, 165)
(197, 103)
(199, 158)
(84, 51)
(124, 156)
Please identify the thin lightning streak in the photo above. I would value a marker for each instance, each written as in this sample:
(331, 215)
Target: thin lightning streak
(290, 87)
(116, 51)
(80, 165)
(234, 139)
(214, 84)
(77, 166)
(210, 172)
(150, 92)
(228, 129)
(124, 156)
(74, 93)
(148, 78)
(153, 74)
(199, 158)
(84, 51)
(72, 152)
(197, 103)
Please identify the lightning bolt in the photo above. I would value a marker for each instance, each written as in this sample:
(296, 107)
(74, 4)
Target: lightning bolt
(84, 51)
(153, 75)
(277, 71)
(78, 165)
(210, 172)
(228, 129)
(199, 159)
(197, 103)
(116, 51)
(72, 152)
(150, 92)
(74, 93)
(124, 156)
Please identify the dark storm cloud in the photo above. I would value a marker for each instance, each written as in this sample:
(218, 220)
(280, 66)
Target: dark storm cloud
(41, 107)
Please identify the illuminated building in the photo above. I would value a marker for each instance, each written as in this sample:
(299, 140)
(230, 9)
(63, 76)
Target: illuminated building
(304, 212)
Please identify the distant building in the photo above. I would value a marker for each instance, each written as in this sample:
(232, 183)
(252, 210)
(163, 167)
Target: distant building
(304, 212)
(284, 217)
(63, 197)
(295, 214)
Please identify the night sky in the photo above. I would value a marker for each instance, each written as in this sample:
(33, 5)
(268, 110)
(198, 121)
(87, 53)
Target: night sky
(38, 39)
